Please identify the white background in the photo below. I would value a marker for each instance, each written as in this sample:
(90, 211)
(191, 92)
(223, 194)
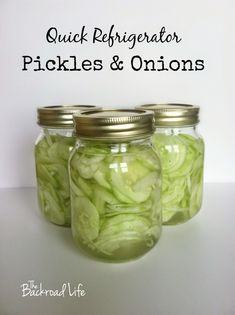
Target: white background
(207, 31)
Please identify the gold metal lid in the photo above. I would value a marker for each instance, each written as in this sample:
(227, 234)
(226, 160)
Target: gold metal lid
(173, 115)
(114, 124)
(60, 115)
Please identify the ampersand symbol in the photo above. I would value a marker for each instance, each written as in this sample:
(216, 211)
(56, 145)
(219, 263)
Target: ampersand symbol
(116, 64)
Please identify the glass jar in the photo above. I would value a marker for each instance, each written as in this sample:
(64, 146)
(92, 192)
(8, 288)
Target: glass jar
(52, 150)
(181, 150)
(115, 180)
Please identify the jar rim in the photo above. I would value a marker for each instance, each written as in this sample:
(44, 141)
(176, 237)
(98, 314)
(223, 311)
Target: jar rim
(61, 116)
(173, 114)
(114, 124)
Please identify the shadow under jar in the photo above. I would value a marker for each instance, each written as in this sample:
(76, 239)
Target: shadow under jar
(52, 151)
(181, 150)
(115, 180)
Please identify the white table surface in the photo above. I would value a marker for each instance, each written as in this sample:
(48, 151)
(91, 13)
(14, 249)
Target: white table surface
(191, 271)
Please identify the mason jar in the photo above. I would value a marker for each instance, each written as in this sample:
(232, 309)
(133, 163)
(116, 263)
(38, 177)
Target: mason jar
(181, 150)
(115, 180)
(52, 150)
